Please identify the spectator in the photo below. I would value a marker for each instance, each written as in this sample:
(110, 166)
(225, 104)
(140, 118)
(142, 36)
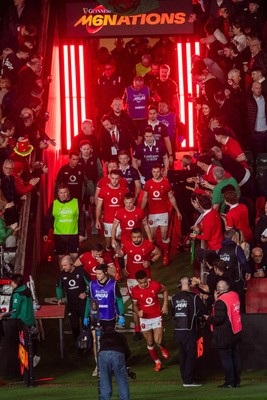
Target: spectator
(14, 62)
(258, 263)
(23, 188)
(260, 232)
(253, 18)
(258, 75)
(256, 119)
(222, 183)
(9, 192)
(237, 216)
(230, 146)
(29, 76)
(239, 38)
(5, 86)
(241, 174)
(210, 227)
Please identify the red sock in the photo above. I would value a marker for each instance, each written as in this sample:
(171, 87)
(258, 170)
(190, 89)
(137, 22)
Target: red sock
(137, 328)
(153, 353)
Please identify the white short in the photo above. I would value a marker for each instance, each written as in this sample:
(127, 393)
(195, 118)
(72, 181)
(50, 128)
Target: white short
(108, 229)
(158, 220)
(148, 324)
(130, 284)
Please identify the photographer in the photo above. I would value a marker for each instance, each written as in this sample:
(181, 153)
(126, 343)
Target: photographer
(114, 351)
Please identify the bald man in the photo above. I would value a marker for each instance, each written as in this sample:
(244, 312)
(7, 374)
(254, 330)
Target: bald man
(226, 328)
(74, 281)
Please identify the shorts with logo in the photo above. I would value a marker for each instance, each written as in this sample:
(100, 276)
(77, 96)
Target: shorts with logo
(108, 229)
(148, 324)
(65, 244)
(130, 284)
(158, 220)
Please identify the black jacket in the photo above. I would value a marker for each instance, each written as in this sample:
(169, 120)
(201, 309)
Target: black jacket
(223, 335)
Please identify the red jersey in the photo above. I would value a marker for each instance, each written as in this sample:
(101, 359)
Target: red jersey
(112, 200)
(136, 255)
(233, 149)
(129, 220)
(147, 299)
(237, 218)
(211, 230)
(158, 199)
(106, 181)
(90, 263)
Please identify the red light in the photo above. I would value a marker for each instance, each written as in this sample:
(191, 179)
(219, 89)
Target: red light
(82, 82)
(67, 94)
(190, 91)
(74, 90)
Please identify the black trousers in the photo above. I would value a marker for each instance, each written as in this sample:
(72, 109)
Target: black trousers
(230, 360)
(76, 315)
(188, 354)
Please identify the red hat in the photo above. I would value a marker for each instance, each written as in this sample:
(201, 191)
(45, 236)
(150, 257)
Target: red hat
(23, 146)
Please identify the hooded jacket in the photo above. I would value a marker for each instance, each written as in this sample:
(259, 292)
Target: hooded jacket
(21, 302)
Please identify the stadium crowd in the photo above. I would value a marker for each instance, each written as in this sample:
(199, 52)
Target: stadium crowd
(124, 177)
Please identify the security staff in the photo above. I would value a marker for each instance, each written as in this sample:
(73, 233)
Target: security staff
(186, 308)
(226, 327)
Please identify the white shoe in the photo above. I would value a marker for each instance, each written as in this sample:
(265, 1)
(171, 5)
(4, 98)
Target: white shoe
(191, 385)
(36, 360)
(94, 372)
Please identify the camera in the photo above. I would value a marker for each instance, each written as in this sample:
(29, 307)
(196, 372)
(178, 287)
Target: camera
(130, 373)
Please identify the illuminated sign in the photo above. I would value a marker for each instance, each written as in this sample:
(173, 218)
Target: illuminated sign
(170, 18)
(23, 354)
